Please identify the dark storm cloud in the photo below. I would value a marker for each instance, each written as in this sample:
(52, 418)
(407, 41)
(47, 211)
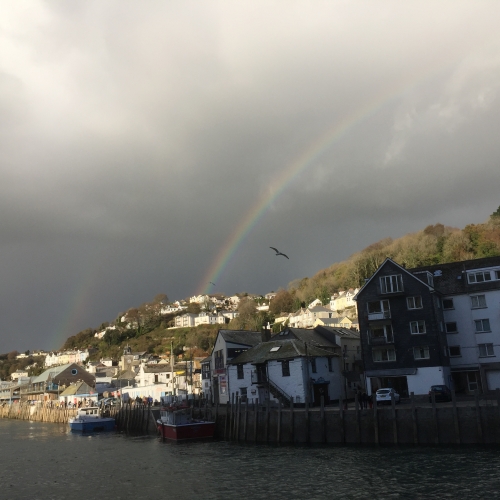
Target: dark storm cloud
(135, 140)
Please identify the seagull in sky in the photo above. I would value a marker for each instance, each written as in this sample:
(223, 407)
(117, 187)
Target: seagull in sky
(279, 253)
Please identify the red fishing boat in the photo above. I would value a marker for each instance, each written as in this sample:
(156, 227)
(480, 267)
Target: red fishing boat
(176, 423)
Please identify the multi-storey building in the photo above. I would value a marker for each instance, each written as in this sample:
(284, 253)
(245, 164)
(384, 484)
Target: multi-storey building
(402, 339)
(436, 324)
(470, 293)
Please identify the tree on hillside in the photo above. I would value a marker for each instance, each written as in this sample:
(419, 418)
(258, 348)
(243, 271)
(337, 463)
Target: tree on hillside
(282, 302)
(193, 308)
(161, 298)
(495, 214)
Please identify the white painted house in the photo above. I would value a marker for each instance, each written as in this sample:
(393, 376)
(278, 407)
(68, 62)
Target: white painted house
(228, 344)
(282, 370)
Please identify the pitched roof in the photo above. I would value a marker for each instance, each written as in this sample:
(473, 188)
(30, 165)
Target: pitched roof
(312, 337)
(279, 349)
(243, 337)
(450, 278)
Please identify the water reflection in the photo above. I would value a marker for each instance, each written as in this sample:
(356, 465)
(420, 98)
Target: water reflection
(46, 461)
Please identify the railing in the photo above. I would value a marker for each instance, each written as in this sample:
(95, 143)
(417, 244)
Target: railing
(379, 315)
(388, 338)
(279, 394)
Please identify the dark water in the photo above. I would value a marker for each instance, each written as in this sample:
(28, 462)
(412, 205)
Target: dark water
(45, 461)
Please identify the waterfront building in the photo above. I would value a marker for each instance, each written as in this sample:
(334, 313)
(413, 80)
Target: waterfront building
(228, 344)
(285, 368)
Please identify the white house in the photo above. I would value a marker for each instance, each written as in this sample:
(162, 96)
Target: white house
(185, 320)
(280, 370)
(228, 344)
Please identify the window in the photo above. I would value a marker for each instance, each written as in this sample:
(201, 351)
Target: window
(239, 370)
(448, 304)
(479, 277)
(378, 307)
(243, 391)
(451, 327)
(330, 365)
(313, 365)
(219, 359)
(417, 327)
(391, 284)
(482, 325)
(478, 301)
(382, 333)
(285, 368)
(454, 351)
(485, 350)
(380, 355)
(421, 353)
(414, 302)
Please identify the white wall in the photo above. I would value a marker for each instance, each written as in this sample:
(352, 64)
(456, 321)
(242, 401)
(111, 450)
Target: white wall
(421, 382)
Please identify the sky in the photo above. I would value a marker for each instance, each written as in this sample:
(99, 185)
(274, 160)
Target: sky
(155, 147)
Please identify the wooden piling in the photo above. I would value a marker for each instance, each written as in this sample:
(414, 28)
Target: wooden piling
(455, 417)
(414, 419)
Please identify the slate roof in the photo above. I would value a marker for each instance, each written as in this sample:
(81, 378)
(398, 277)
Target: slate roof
(288, 349)
(125, 375)
(243, 337)
(158, 368)
(79, 388)
(453, 280)
(312, 337)
(341, 332)
(50, 373)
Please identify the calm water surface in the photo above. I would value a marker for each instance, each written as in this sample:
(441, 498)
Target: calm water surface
(45, 461)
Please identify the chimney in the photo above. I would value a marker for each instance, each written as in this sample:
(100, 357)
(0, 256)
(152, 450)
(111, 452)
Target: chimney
(266, 333)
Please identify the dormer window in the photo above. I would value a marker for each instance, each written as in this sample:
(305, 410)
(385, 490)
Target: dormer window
(479, 276)
(391, 284)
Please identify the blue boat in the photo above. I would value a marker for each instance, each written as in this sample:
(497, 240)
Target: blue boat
(90, 420)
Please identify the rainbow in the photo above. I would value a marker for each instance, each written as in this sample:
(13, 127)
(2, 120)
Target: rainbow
(313, 151)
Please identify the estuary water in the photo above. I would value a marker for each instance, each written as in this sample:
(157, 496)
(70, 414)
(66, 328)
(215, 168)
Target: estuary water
(45, 461)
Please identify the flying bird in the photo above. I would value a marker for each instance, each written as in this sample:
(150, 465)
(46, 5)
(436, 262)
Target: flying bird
(279, 253)
(212, 283)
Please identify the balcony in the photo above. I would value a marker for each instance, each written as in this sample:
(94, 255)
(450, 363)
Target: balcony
(375, 316)
(387, 338)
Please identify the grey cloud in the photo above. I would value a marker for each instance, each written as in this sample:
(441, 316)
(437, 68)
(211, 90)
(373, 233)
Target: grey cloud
(136, 140)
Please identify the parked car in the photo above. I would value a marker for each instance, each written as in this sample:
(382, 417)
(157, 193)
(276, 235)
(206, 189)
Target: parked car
(441, 393)
(385, 396)
(108, 402)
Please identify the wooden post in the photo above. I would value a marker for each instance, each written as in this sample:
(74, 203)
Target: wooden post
(238, 406)
(341, 415)
(357, 404)
(268, 416)
(434, 414)
(375, 419)
(498, 404)
(216, 415)
(228, 408)
(255, 419)
(414, 418)
(308, 438)
(278, 437)
(394, 419)
(245, 422)
(323, 423)
(455, 416)
(478, 418)
(231, 420)
(292, 423)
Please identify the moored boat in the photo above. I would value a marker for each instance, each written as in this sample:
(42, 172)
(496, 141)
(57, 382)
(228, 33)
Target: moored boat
(90, 420)
(176, 423)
